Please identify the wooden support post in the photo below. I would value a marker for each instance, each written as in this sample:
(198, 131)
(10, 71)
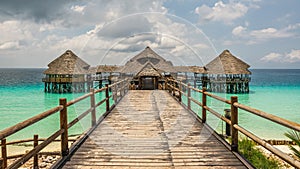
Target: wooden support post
(64, 126)
(234, 120)
(35, 157)
(126, 86)
(173, 88)
(180, 89)
(115, 93)
(167, 86)
(122, 88)
(93, 115)
(188, 97)
(227, 126)
(3, 153)
(203, 105)
(107, 97)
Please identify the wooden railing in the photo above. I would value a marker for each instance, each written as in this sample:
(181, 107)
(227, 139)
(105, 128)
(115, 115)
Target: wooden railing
(175, 88)
(119, 90)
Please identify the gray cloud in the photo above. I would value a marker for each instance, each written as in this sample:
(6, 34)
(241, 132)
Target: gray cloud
(38, 10)
(125, 27)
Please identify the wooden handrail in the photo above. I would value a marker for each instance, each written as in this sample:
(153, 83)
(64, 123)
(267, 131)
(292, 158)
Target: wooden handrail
(18, 163)
(11, 130)
(276, 119)
(235, 128)
(78, 99)
(63, 131)
(268, 146)
(218, 98)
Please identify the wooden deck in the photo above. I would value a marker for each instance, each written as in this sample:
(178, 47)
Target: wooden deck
(150, 129)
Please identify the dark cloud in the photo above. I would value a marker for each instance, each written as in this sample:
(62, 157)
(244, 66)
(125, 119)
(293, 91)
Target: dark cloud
(38, 10)
(125, 27)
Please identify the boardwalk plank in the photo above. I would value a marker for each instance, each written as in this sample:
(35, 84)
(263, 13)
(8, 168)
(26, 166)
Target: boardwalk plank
(150, 129)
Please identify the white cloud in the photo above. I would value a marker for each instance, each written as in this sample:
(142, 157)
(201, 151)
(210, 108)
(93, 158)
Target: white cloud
(291, 57)
(262, 35)
(81, 28)
(78, 8)
(9, 45)
(222, 12)
(269, 33)
(271, 57)
(238, 31)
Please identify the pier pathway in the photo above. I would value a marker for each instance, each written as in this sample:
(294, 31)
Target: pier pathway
(149, 128)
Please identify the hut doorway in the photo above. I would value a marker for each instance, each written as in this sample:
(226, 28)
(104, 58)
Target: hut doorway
(148, 83)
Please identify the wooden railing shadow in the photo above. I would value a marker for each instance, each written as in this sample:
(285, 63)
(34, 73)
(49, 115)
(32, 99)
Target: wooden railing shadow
(119, 89)
(177, 89)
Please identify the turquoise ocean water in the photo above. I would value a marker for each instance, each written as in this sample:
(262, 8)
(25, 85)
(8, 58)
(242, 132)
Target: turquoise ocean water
(22, 96)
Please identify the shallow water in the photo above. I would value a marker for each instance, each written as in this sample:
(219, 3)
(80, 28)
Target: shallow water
(273, 91)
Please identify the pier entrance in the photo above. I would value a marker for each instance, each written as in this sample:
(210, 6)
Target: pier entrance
(148, 83)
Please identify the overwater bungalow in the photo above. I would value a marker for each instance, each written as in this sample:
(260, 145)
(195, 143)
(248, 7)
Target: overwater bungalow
(105, 74)
(148, 71)
(227, 74)
(67, 73)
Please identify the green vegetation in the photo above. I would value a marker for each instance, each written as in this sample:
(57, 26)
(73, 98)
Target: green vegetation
(255, 156)
(295, 137)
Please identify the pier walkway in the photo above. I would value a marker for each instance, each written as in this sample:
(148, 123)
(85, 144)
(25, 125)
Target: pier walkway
(149, 128)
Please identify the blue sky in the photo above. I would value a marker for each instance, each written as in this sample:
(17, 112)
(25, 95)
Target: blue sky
(265, 34)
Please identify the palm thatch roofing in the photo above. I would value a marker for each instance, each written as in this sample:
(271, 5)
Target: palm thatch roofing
(136, 64)
(148, 70)
(190, 69)
(226, 63)
(108, 68)
(67, 64)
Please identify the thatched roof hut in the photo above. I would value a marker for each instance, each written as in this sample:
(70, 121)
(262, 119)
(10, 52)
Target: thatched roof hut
(226, 63)
(148, 70)
(136, 64)
(66, 64)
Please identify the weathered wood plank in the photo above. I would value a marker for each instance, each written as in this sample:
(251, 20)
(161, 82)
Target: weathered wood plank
(150, 129)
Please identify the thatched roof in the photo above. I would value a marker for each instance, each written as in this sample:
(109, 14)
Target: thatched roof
(190, 69)
(107, 68)
(226, 63)
(147, 55)
(148, 70)
(66, 64)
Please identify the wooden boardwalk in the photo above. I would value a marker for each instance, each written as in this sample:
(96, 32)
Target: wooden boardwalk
(150, 129)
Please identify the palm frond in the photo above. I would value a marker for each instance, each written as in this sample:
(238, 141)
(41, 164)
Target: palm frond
(295, 137)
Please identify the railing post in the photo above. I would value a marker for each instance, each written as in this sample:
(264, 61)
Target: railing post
(123, 88)
(180, 88)
(64, 126)
(234, 120)
(107, 97)
(127, 86)
(203, 105)
(174, 88)
(167, 86)
(3, 153)
(93, 115)
(115, 93)
(35, 157)
(188, 97)
(227, 126)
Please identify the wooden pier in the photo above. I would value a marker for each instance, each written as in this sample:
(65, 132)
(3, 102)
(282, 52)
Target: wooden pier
(148, 128)
(143, 129)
